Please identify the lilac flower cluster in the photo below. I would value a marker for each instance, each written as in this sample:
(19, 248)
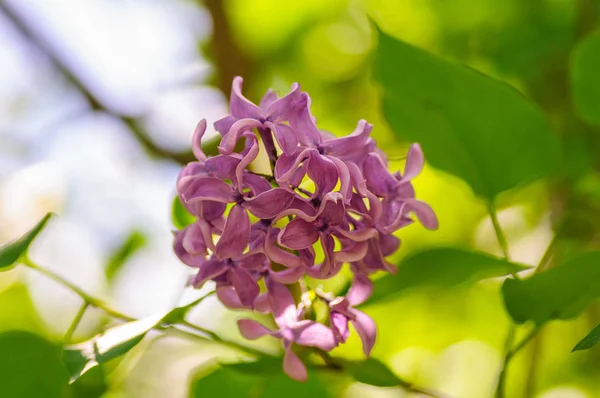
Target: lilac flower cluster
(262, 229)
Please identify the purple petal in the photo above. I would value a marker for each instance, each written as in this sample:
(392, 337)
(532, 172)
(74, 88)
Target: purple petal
(366, 329)
(287, 276)
(313, 334)
(285, 136)
(248, 155)
(298, 175)
(379, 180)
(230, 139)
(302, 122)
(239, 105)
(279, 255)
(251, 329)
(349, 144)
(197, 140)
(267, 99)
(209, 270)
(344, 175)
(208, 188)
(423, 211)
(355, 252)
(183, 254)
(257, 184)
(358, 235)
(230, 299)
(286, 165)
(328, 245)
(210, 210)
(332, 211)
(245, 286)
(236, 234)
(414, 162)
(293, 366)
(193, 240)
(269, 204)
(358, 181)
(280, 109)
(252, 261)
(339, 326)
(224, 124)
(323, 172)
(298, 234)
(360, 291)
(389, 244)
(282, 304)
(222, 166)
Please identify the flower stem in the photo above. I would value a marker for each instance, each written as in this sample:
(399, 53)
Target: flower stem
(75, 322)
(500, 390)
(499, 233)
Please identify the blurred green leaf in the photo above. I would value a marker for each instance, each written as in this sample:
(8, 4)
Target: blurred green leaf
(263, 366)
(10, 253)
(558, 293)
(118, 341)
(30, 367)
(134, 242)
(224, 382)
(590, 340)
(181, 218)
(585, 64)
(442, 267)
(282, 385)
(371, 371)
(469, 125)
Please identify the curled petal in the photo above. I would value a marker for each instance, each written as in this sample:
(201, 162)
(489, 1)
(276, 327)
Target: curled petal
(366, 329)
(239, 105)
(332, 211)
(360, 291)
(313, 334)
(197, 140)
(389, 244)
(269, 204)
(183, 254)
(222, 166)
(298, 175)
(423, 211)
(252, 261)
(289, 164)
(328, 245)
(267, 99)
(303, 124)
(208, 188)
(292, 365)
(224, 124)
(287, 276)
(285, 136)
(245, 286)
(379, 180)
(248, 156)
(230, 299)
(208, 270)
(339, 326)
(280, 109)
(261, 304)
(374, 260)
(229, 140)
(251, 329)
(358, 181)
(358, 235)
(210, 210)
(257, 184)
(279, 255)
(414, 162)
(351, 253)
(193, 240)
(351, 144)
(236, 234)
(299, 208)
(282, 304)
(298, 234)
(323, 172)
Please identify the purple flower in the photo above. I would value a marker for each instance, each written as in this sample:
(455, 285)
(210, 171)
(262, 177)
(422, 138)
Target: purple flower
(252, 228)
(291, 330)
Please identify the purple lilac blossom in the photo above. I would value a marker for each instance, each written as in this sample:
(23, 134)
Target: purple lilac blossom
(324, 193)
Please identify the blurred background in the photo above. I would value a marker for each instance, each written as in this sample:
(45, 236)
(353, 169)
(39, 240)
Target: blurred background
(98, 100)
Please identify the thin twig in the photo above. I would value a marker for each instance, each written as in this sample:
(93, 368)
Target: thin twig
(75, 322)
(499, 233)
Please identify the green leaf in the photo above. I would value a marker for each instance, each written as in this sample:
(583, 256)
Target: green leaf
(30, 367)
(134, 242)
(373, 372)
(282, 385)
(181, 218)
(590, 340)
(225, 382)
(441, 267)
(558, 293)
(469, 125)
(585, 64)
(118, 341)
(10, 253)
(263, 366)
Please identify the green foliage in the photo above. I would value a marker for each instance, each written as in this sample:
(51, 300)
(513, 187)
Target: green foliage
(373, 372)
(585, 64)
(470, 125)
(117, 341)
(590, 340)
(30, 367)
(558, 293)
(134, 242)
(225, 383)
(441, 267)
(10, 253)
(179, 215)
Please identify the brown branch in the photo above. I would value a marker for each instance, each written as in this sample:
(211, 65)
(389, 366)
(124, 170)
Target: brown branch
(20, 23)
